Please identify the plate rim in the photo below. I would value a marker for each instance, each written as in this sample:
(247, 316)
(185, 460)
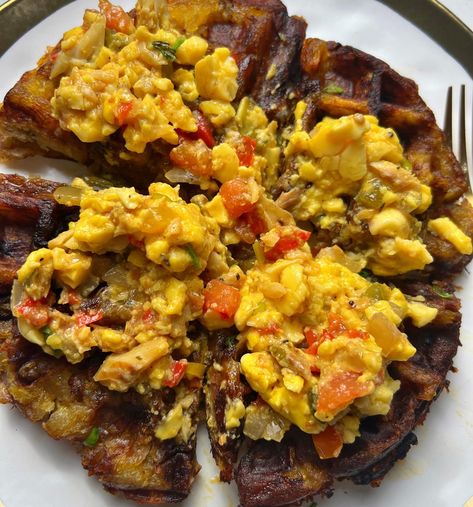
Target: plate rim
(431, 17)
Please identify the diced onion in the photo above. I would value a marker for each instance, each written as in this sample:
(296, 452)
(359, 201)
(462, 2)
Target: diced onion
(68, 196)
(263, 422)
(116, 275)
(182, 176)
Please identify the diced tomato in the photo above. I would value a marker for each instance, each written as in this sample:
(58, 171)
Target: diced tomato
(286, 244)
(178, 368)
(55, 53)
(89, 317)
(314, 369)
(357, 333)
(204, 131)
(271, 329)
(221, 298)
(194, 156)
(148, 316)
(339, 390)
(35, 312)
(336, 326)
(116, 18)
(137, 243)
(313, 340)
(311, 337)
(237, 197)
(328, 443)
(235, 56)
(123, 111)
(72, 297)
(246, 150)
(256, 224)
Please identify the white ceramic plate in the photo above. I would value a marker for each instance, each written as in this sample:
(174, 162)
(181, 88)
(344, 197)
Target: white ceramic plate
(35, 471)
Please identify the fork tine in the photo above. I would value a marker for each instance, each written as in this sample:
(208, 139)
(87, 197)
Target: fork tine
(447, 127)
(462, 131)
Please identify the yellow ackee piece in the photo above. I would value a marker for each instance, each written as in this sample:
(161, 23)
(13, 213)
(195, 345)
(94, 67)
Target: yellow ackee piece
(191, 50)
(225, 162)
(264, 376)
(234, 412)
(420, 313)
(110, 340)
(215, 76)
(216, 209)
(390, 222)
(450, 231)
(36, 273)
(331, 137)
(171, 425)
(186, 84)
(71, 268)
(218, 112)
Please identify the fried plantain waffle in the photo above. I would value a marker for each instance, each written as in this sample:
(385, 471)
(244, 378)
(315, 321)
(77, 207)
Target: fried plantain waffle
(277, 68)
(65, 399)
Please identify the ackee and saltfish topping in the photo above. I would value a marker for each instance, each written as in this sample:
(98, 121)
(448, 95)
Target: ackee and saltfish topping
(136, 273)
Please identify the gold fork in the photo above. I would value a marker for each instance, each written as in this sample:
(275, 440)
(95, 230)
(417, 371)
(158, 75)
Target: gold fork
(461, 152)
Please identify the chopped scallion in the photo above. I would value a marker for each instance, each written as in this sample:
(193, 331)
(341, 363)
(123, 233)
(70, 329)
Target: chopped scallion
(193, 255)
(333, 89)
(230, 342)
(93, 437)
(366, 273)
(47, 331)
(441, 292)
(179, 42)
(166, 50)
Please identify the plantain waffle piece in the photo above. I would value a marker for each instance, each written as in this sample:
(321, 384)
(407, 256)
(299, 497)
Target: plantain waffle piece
(127, 459)
(267, 473)
(69, 404)
(423, 377)
(272, 474)
(254, 30)
(339, 80)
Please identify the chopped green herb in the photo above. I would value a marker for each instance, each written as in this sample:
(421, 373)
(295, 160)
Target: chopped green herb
(98, 183)
(313, 504)
(230, 341)
(47, 331)
(193, 255)
(179, 42)
(333, 89)
(312, 394)
(166, 50)
(405, 164)
(441, 292)
(93, 437)
(366, 273)
(115, 40)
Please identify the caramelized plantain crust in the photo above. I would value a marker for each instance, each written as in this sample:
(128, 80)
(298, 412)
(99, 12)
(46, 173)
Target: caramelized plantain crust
(65, 399)
(29, 217)
(224, 383)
